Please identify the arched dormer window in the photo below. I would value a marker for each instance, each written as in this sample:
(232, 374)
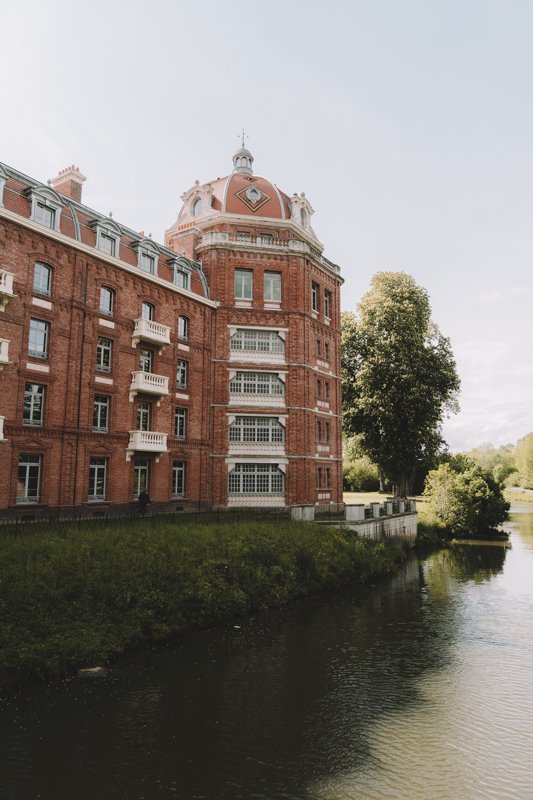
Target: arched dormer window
(147, 255)
(197, 207)
(108, 235)
(46, 206)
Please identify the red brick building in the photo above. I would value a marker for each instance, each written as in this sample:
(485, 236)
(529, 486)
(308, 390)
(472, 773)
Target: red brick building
(205, 370)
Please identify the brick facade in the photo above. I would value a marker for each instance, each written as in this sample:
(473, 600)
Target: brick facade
(126, 363)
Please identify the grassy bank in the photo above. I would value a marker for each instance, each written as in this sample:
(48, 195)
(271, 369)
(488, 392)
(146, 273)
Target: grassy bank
(77, 596)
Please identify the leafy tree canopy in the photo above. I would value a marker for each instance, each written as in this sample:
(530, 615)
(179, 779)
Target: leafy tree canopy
(465, 498)
(398, 377)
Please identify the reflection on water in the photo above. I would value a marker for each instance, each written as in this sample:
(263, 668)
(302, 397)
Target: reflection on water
(417, 688)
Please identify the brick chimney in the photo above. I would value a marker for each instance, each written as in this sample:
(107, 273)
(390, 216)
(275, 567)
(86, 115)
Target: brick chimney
(69, 182)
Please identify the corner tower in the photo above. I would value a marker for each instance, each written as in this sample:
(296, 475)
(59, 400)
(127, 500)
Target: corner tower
(275, 415)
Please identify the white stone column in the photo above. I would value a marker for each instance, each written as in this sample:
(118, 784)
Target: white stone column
(355, 512)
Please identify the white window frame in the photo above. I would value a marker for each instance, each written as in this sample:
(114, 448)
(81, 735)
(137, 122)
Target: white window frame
(97, 479)
(104, 354)
(183, 328)
(141, 477)
(256, 479)
(144, 415)
(41, 197)
(33, 409)
(257, 340)
(180, 423)
(262, 384)
(108, 235)
(315, 297)
(101, 405)
(179, 472)
(256, 430)
(40, 286)
(146, 360)
(272, 286)
(328, 301)
(182, 374)
(242, 291)
(147, 311)
(32, 462)
(39, 338)
(107, 294)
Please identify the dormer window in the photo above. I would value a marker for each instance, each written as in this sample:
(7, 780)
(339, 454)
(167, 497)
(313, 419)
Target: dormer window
(182, 268)
(107, 236)
(196, 207)
(45, 206)
(147, 255)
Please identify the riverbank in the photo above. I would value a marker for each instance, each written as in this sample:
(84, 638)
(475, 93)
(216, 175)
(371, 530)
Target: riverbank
(78, 596)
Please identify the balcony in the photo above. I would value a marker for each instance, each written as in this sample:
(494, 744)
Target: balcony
(146, 442)
(148, 383)
(152, 332)
(6, 288)
(256, 449)
(4, 353)
(2, 439)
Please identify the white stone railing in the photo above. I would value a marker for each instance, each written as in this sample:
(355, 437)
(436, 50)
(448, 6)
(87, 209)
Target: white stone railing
(259, 448)
(4, 352)
(146, 442)
(257, 357)
(2, 429)
(6, 283)
(148, 383)
(266, 400)
(260, 500)
(150, 331)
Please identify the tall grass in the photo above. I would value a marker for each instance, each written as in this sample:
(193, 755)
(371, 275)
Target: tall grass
(77, 596)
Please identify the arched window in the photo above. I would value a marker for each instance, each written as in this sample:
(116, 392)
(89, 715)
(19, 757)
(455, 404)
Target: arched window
(42, 278)
(147, 311)
(183, 327)
(196, 207)
(107, 301)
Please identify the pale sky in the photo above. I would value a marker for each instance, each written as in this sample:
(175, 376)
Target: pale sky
(407, 123)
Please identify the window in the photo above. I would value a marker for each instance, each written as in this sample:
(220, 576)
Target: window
(147, 311)
(145, 360)
(33, 413)
(180, 423)
(38, 340)
(323, 477)
(319, 478)
(182, 374)
(264, 430)
(181, 278)
(318, 348)
(144, 415)
(28, 478)
(107, 301)
(326, 390)
(327, 304)
(327, 431)
(256, 479)
(326, 351)
(42, 278)
(318, 389)
(107, 244)
(257, 341)
(141, 477)
(196, 207)
(265, 238)
(147, 262)
(101, 414)
(178, 479)
(183, 327)
(97, 478)
(261, 383)
(319, 430)
(103, 354)
(314, 296)
(272, 287)
(243, 284)
(243, 236)
(45, 215)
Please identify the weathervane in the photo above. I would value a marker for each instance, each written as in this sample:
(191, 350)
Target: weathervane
(243, 136)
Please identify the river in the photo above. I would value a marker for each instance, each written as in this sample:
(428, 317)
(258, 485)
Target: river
(420, 687)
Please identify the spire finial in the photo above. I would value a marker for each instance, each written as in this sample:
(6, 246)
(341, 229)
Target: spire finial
(243, 136)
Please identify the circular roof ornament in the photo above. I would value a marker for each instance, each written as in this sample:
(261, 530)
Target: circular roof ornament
(253, 194)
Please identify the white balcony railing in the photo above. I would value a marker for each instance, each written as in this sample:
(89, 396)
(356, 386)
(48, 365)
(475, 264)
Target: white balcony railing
(146, 442)
(148, 383)
(150, 331)
(6, 287)
(256, 448)
(4, 352)
(2, 429)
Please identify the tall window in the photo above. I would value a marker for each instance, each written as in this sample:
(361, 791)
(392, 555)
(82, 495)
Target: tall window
(180, 423)
(144, 415)
(178, 479)
(314, 296)
(318, 389)
(107, 301)
(183, 327)
(264, 430)
(327, 304)
(147, 311)
(261, 383)
(107, 244)
(256, 479)
(97, 478)
(318, 348)
(141, 477)
(45, 215)
(257, 341)
(272, 286)
(38, 339)
(104, 350)
(101, 414)
(243, 284)
(28, 478)
(181, 278)
(145, 359)
(182, 374)
(323, 477)
(319, 430)
(33, 413)
(326, 351)
(42, 278)
(147, 262)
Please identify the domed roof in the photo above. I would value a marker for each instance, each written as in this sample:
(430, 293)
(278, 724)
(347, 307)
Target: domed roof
(249, 195)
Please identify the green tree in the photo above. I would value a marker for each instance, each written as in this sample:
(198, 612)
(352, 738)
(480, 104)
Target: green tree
(465, 498)
(398, 378)
(523, 458)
